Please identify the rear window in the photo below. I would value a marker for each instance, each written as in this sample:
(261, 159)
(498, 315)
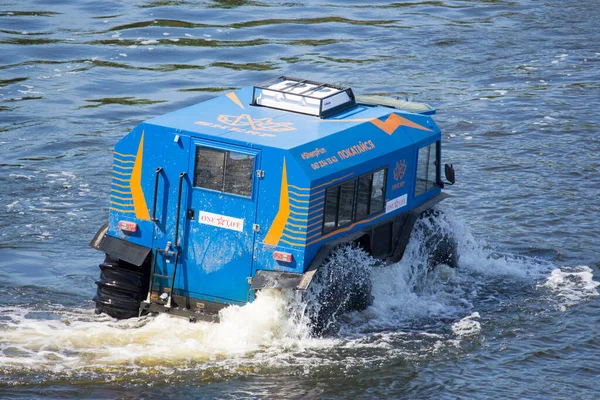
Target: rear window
(224, 171)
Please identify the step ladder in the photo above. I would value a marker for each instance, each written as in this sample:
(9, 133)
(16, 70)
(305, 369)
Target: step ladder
(168, 252)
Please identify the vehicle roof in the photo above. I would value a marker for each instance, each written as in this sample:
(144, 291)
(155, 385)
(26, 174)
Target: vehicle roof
(231, 119)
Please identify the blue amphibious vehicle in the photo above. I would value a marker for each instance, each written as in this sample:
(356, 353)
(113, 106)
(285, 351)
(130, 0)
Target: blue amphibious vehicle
(253, 190)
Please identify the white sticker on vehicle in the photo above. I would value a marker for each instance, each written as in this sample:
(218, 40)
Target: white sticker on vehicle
(221, 221)
(396, 203)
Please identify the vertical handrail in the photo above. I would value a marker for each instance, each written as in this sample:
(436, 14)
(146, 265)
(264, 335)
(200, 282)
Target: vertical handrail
(155, 193)
(176, 241)
(173, 279)
(151, 283)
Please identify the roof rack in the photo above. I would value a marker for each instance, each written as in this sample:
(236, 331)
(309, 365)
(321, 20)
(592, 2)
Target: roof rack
(303, 96)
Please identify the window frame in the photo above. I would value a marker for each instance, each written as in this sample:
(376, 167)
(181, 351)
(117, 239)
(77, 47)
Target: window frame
(436, 183)
(226, 150)
(325, 230)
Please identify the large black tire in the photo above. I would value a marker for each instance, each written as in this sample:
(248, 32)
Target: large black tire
(439, 244)
(341, 284)
(121, 288)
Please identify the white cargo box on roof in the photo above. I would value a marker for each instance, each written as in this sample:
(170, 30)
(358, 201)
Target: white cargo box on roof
(302, 96)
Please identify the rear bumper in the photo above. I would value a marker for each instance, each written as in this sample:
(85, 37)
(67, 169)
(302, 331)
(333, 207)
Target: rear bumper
(119, 248)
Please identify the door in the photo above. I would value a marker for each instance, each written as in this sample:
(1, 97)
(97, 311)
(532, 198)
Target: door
(167, 159)
(218, 249)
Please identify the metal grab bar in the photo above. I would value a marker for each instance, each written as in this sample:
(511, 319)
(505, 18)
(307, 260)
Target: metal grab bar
(176, 241)
(157, 174)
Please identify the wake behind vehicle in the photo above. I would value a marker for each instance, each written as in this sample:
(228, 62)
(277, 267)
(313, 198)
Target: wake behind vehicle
(256, 188)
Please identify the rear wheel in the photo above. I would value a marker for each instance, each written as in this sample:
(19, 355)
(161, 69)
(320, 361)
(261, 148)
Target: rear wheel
(341, 284)
(439, 243)
(121, 288)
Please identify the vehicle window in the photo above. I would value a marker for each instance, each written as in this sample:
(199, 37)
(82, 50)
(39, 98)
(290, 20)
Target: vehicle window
(239, 169)
(377, 192)
(346, 203)
(209, 169)
(331, 206)
(363, 195)
(367, 194)
(427, 169)
(224, 171)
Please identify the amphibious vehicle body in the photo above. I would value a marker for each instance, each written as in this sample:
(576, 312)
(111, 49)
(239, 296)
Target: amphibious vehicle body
(253, 190)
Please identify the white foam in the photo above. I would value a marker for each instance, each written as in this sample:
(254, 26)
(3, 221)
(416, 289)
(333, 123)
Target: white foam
(572, 286)
(467, 326)
(82, 340)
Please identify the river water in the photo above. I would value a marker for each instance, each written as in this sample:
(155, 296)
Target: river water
(516, 85)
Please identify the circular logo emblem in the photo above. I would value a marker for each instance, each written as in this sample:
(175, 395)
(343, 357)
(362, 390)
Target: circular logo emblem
(400, 170)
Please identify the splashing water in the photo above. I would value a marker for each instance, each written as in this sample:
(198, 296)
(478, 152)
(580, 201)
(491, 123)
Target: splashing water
(416, 311)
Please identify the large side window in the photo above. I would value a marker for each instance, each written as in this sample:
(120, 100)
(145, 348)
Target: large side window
(339, 206)
(354, 200)
(371, 194)
(377, 200)
(427, 169)
(332, 196)
(224, 171)
(346, 207)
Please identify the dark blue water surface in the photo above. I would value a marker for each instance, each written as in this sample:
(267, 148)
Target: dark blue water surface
(517, 87)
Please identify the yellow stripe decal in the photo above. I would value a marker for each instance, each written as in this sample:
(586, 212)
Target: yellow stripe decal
(299, 201)
(123, 161)
(299, 194)
(313, 224)
(334, 180)
(139, 201)
(121, 204)
(127, 155)
(364, 221)
(293, 237)
(297, 226)
(317, 205)
(276, 230)
(293, 231)
(120, 191)
(318, 228)
(122, 173)
(112, 196)
(299, 207)
(121, 186)
(315, 211)
(121, 179)
(122, 167)
(318, 216)
(293, 244)
(298, 219)
(121, 211)
(298, 213)
(298, 188)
